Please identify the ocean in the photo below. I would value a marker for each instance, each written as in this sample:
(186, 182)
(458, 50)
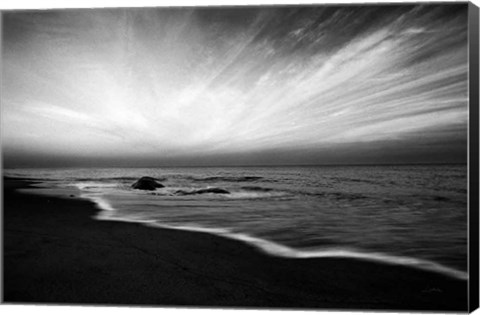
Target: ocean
(400, 214)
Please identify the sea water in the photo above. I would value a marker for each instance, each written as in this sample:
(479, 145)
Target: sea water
(406, 214)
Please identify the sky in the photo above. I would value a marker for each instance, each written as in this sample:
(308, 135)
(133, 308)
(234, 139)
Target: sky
(291, 85)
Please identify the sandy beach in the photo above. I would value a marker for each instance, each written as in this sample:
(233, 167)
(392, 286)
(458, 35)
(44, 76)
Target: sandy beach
(55, 252)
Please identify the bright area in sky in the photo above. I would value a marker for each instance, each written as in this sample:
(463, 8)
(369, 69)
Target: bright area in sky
(288, 85)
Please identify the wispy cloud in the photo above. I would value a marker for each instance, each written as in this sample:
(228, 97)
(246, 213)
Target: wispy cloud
(178, 82)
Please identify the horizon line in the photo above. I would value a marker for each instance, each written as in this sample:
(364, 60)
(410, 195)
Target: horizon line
(246, 165)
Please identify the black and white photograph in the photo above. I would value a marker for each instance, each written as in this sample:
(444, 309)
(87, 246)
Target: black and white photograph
(298, 157)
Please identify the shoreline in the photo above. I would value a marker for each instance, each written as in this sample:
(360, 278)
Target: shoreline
(55, 252)
(282, 251)
(266, 246)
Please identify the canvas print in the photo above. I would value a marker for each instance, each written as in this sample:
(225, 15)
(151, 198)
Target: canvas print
(263, 156)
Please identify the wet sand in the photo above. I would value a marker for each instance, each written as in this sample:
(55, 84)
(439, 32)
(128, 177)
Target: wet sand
(55, 253)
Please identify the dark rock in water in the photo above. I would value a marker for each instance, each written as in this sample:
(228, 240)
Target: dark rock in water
(147, 183)
(202, 191)
(212, 191)
(256, 188)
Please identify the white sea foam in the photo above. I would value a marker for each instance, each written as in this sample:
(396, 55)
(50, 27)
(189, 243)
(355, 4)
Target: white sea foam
(253, 194)
(276, 249)
(101, 202)
(93, 185)
(279, 250)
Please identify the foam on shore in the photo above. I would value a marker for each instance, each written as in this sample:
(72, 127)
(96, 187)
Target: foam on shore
(279, 250)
